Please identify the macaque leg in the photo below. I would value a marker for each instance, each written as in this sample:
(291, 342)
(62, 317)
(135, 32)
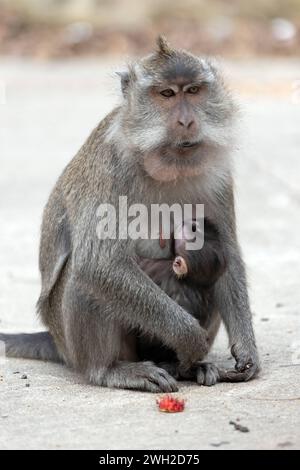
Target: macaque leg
(97, 346)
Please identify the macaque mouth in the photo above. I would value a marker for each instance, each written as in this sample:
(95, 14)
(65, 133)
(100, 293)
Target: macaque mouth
(188, 144)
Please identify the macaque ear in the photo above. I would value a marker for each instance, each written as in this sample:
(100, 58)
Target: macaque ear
(125, 79)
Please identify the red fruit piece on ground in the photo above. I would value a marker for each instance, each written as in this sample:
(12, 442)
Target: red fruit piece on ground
(170, 404)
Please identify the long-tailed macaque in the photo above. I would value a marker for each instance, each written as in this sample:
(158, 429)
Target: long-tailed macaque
(169, 141)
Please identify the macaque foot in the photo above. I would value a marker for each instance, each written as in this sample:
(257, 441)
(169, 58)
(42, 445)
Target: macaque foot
(144, 376)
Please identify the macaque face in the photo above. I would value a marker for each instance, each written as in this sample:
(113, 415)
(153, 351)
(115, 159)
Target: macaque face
(182, 263)
(177, 105)
(203, 266)
(180, 266)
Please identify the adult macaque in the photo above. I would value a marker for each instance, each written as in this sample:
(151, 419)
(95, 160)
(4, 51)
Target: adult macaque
(168, 142)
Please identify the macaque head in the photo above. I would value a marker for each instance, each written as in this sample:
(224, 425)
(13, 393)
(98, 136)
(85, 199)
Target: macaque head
(175, 102)
(203, 266)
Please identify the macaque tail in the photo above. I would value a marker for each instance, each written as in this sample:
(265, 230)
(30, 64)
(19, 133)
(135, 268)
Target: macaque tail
(30, 346)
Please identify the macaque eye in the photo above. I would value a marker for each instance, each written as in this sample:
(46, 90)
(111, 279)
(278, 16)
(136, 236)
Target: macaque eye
(167, 93)
(193, 90)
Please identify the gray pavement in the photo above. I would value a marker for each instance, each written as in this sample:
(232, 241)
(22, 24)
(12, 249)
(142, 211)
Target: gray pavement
(48, 111)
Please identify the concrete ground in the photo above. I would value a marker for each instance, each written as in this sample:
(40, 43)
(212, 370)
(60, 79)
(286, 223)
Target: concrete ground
(46, 112)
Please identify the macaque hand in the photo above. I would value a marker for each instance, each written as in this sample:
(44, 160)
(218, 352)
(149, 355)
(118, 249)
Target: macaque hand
(246, 367)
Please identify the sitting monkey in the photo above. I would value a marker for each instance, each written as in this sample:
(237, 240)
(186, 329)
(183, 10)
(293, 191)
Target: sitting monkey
(169, 141)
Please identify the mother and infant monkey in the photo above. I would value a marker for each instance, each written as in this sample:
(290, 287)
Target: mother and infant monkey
(168, 142)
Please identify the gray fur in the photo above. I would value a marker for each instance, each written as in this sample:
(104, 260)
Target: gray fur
(95, 299)
(30, 346)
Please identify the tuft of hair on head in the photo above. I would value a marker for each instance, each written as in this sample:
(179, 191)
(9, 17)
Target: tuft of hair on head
(164, 48)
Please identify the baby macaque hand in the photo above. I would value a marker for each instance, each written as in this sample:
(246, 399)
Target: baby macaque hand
(180, 267)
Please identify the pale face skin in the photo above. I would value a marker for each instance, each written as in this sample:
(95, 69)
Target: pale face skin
(180, 267)
(180, 264)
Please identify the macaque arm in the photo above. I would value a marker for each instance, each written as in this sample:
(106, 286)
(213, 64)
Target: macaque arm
(232, 300)
(143, 305)
(233, 304)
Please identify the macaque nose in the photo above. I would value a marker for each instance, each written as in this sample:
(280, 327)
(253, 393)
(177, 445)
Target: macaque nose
(186, 121)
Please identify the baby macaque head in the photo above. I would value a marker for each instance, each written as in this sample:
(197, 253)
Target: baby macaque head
(203, 266)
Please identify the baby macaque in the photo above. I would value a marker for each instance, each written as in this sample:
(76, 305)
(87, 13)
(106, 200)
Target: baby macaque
(192, 273)
(201, 266)
(188, 278)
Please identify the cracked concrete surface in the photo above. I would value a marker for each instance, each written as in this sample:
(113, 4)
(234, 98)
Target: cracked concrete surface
(47, 112)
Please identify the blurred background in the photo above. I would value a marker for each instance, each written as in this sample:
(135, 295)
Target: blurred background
(66, 28)
(57, 81)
